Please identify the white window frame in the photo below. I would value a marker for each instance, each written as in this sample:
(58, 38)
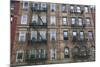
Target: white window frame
(53, 20)
(52, 52)
(19, 60)
(88, 21)
(80, 21)
(86, 9)
(73, 20)
(66, 51)
(53, 7)
(63, 7)
(90, 35)
(43, 35)
(22, 33)
(72, 8)
(64, 20)
(24, 4)
(43, 18)
(65, 33)
(35, 18)
(34, 34)
(81, 35)
(74, 33)
(24, 19)
(53, 34)
(32, 52)
(43, 5)
(78, 9)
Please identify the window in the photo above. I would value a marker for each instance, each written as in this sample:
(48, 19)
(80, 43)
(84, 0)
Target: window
(66, 52)
(86, 9)
(43, 18)
(33, 35)
(73, 20)
(53, 53)
(90, 35)
(81, 35)
(34, 18)
(19, 56)
(53, 7)
(64, 19)
(53, 20)
(42, 53)
(32, 54)
(78, 9)
(72, 8)
(24, 19)
(42, 35)
(43, 5)
(63, 7)
(22, 36)
(88, 21)
(74, 33)
(25, 5)
(53, 35)
(80, 21)
(65, 35)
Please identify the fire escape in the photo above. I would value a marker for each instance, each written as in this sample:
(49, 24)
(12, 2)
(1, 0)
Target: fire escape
(80, 51)
(38, 25)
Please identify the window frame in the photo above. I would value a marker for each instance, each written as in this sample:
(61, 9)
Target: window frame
(53, 35)
(53, 20)
(53, 7)
(24, 19)
(22, 33)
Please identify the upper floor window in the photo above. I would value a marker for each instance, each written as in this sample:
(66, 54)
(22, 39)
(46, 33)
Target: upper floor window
(73, 20)
(72, 8)
(32, 54)
(43, 5)
(42, 35)
(80, 21)
(81, 35)
(63, 7)
(33, 35)
(34, 18)
(90, 35)
(53, 53)
(43, 18)
(53, 35)
(25, 5)
(24, 19)
(22, 36)
(88, 21)
(86, 9)
(64, 20)
(78, 9)
(65, 35)
(53, 7)
(53, 20)
(66, 52)
(42, 53)
(19, 56)
(74, 33)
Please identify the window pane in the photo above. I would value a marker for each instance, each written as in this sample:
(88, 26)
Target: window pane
(73, 20)
(90, 34)
(53, 20)
(34, 18)
(63, 7)
(78, 9)
(19, 56)
(81, 35)
(74, 33)
(53, 35)
(24, 19)
(43, 19)
(53, 7)
(86, 9)
(80, 21)
(42, 35)
(65, 34)
(34, 35)
(22, 36)
(64, 20)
